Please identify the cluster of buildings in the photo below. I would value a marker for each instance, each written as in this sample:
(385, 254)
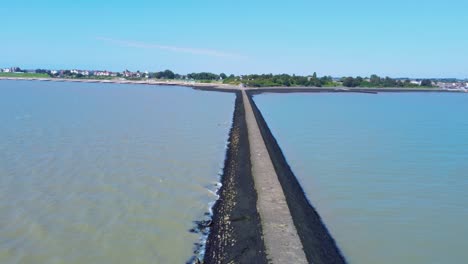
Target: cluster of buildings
(86, 73)
(138, 74)
(461, 85)
(12, 69)
(99, 73)
(83, 73)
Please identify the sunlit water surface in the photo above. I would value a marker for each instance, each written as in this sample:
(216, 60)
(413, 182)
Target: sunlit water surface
(388, 173)
(106, 173)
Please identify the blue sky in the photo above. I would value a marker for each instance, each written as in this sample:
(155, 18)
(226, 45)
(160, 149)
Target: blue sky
(395, 38)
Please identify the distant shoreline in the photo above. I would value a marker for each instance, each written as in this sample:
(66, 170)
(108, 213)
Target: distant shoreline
(231, 88)
(147, 82)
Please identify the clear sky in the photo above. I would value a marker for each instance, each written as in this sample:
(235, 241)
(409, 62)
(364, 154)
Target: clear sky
(398, 38)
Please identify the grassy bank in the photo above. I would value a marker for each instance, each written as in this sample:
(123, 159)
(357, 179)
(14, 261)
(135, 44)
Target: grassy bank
(23, 75)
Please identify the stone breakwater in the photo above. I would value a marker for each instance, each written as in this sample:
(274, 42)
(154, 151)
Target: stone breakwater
(236, 232)
(262, 215)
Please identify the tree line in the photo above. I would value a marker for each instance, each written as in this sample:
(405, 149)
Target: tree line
(265, 80)
(269, 80)
(377, 81)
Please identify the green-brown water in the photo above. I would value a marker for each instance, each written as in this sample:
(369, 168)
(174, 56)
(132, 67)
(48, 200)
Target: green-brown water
(106, 173)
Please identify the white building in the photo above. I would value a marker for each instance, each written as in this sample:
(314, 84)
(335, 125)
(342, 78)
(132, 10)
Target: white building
(102, 73)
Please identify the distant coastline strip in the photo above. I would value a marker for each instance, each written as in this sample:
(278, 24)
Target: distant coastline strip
(233, 88)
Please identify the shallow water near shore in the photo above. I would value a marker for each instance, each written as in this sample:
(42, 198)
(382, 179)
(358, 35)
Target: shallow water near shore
(387, 172)
(107, 173)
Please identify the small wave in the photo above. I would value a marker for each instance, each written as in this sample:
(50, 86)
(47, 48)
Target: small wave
(23, 117)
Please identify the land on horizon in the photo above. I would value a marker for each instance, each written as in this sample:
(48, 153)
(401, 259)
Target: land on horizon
(249, 80)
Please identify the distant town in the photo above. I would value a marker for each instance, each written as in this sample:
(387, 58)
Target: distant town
(251, 80)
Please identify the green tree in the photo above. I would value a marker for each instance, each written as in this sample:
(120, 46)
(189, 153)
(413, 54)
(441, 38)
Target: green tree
(375, 80)
(168, 74)
(358, 81)
(389, 82)
(349, 82)
(426, 82)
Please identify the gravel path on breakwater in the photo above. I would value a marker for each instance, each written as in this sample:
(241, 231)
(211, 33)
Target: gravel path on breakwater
(282, 242)
(318, 244)
(236, 233)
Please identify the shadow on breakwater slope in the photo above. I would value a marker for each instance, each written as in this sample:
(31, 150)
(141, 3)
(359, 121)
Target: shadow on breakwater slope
(236, 234)
(318, 244)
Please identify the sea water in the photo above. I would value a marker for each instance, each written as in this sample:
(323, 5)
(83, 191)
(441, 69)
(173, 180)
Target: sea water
(107, 173)
(388, 173)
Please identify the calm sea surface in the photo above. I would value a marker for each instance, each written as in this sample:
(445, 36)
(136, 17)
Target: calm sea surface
(388, 173)
(106, 173)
